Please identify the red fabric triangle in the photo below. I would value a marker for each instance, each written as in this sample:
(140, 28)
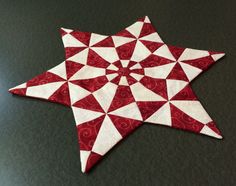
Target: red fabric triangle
(183, 121)
(108, 42)
(117, 64)
(156, 85)
(72, 68)
(92, 160)
(153, 60)
(125, 33)
(213, 127)
(71, 51)
(89, 103)
(176, 51)
(62, 95)
(126, 51)
(152, 46)
(19, 91)
(110, 71)
(148, 108)
(123, 96)
(116, 80)
(95, 60)
(202, 63)
(177, 73)
(88, 131)
(137, 71)
(131, 63)
(147, 29)
(62, 32)
(44, 78)
(185, 94)
(124, 125)
(91, 84)
(83, 37)
(130, 80)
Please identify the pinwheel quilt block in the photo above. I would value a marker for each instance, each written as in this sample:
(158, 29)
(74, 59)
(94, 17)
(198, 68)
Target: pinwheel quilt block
(116, 83)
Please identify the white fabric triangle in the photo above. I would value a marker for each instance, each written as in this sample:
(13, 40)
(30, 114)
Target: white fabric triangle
(84, 154)
(23, 85)
(119, 40)
(154, 37)
(190, 54)
(141, 93)
(95, 38)
(107, 53)
(136, 76)
(107, 137)
(84, 115)
(70, 41)
(43, 91)
(124, 63)
(135, 29)
(147, 20)
(59, 70)
(67, 30)
(164, 51)
(174, 87)
(80, 57)
(140, 52)
(162, 116)
(209, 132)
(123, 81)
(217, 56)
(194, 109)
(112, 67)
(105, 95)
(88, 72)
(128, 111)
(190, 71)
(111, 76)
(136, 66)
(159, 71)
(77, 93)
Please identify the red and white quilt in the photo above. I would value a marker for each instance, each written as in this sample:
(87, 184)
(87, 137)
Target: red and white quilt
(116, 83)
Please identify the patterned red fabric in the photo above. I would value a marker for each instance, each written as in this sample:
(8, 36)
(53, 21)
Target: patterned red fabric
(116, 83)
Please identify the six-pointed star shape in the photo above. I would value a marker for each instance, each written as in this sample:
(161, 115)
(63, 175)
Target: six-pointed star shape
(115, 83)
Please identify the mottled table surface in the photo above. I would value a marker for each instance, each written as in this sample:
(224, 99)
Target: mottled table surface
(38, 139)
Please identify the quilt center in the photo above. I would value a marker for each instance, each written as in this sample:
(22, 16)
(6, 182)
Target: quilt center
(124, 71)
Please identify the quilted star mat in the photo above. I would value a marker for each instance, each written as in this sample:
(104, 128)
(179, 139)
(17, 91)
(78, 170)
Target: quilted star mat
(116, 83)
